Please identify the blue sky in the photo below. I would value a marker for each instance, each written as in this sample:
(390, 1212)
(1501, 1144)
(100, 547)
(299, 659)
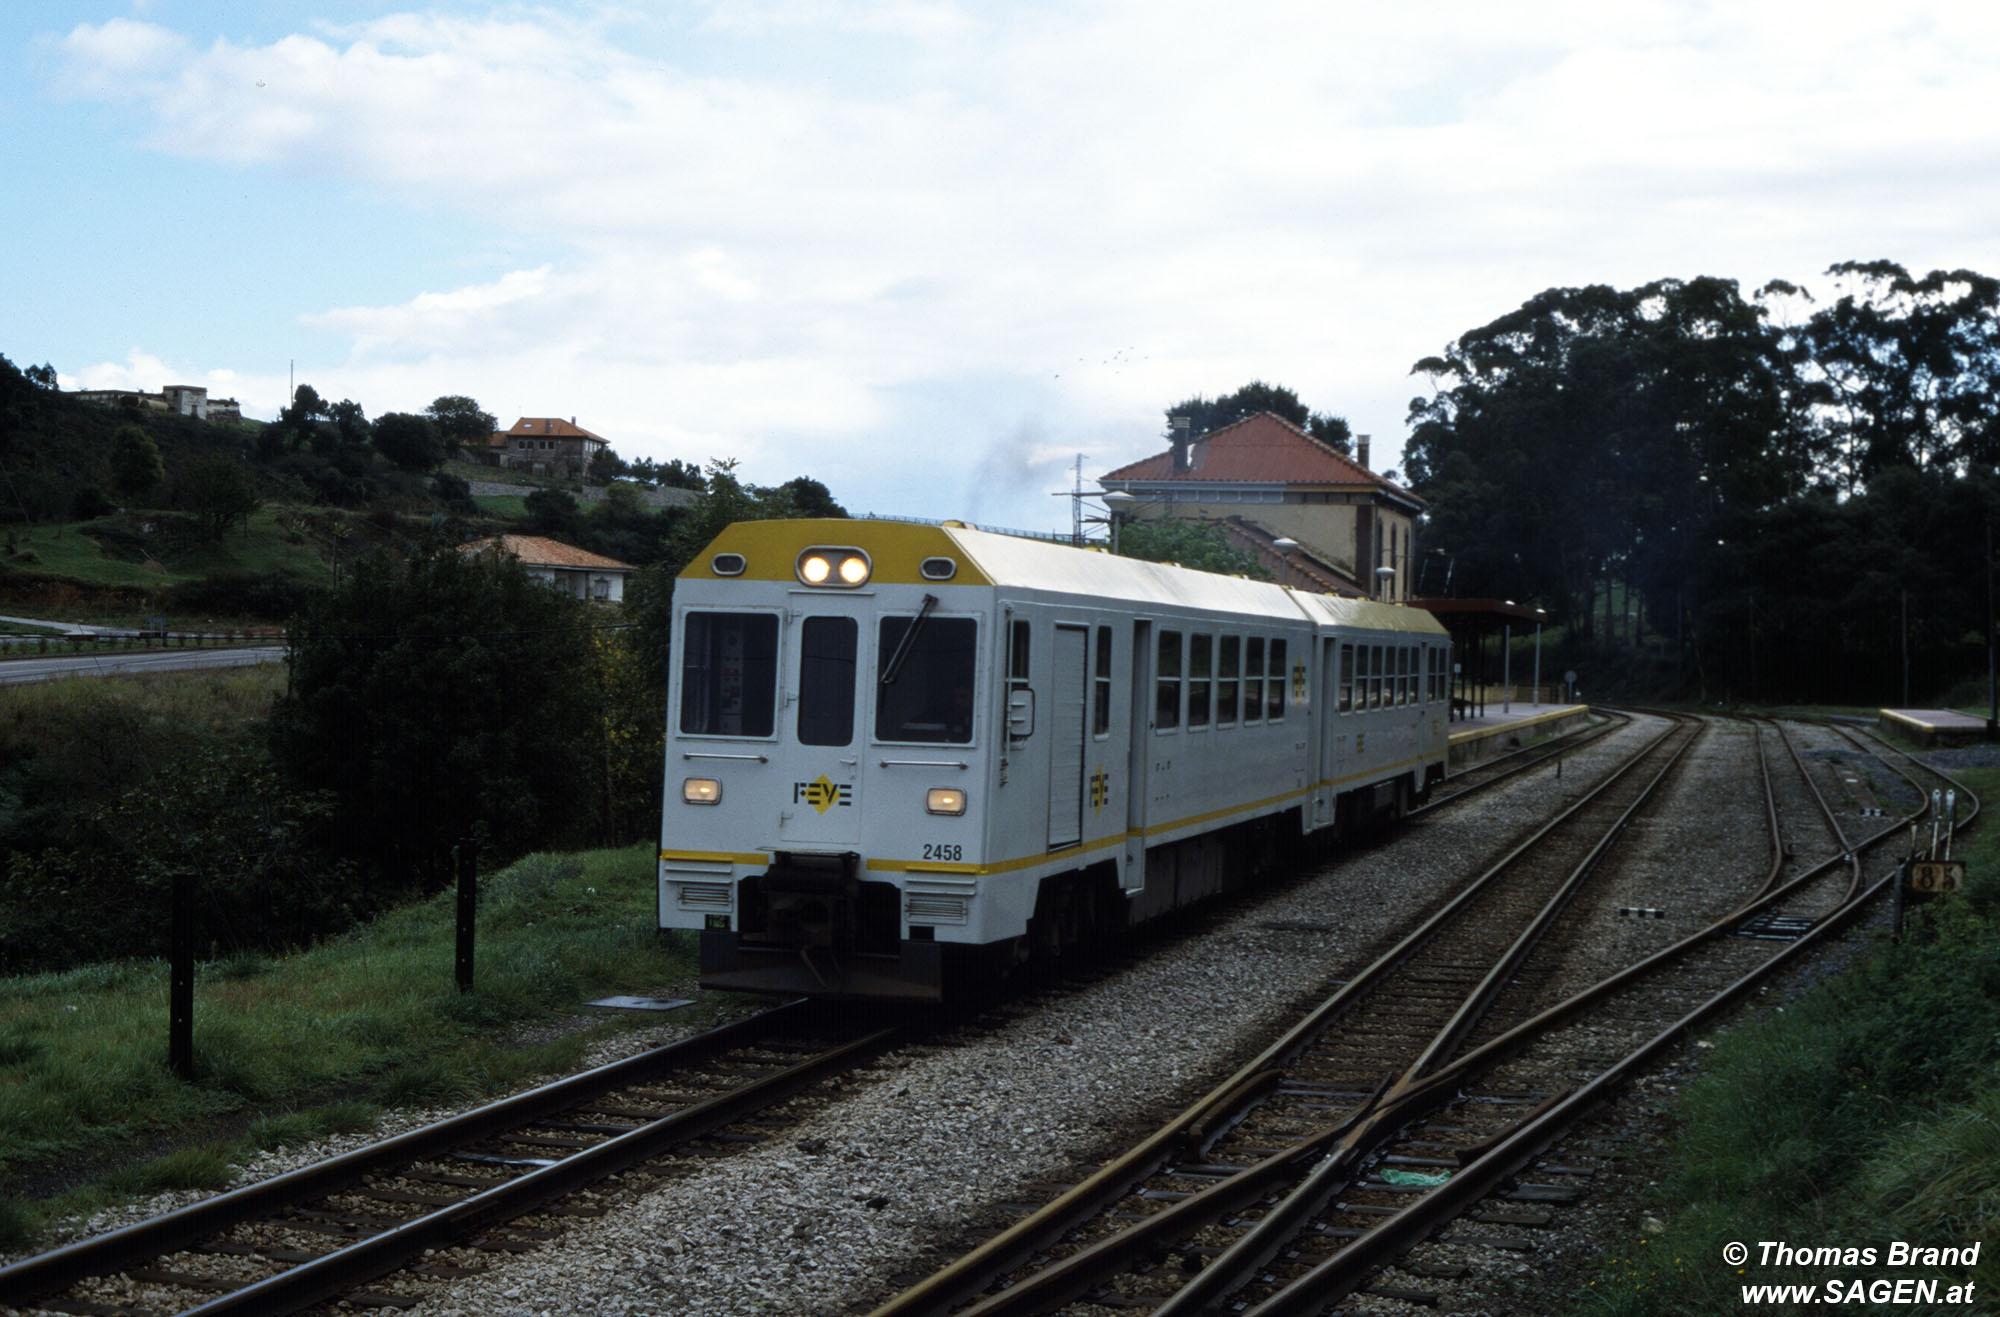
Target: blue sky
(929, 251)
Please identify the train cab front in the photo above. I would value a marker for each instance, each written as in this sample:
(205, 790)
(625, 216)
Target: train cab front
(822, 715)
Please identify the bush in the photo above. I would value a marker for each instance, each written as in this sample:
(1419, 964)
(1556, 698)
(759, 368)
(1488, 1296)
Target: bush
(442, 698)
(257, 853)
(269, 598)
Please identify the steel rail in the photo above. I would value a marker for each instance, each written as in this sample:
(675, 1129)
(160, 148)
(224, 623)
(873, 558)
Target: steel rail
(1339, 1274)
(52, 1272)
(962, 1280)
(1542, 752)
(1833, 822)
(335, 1273)
(1392, 1109)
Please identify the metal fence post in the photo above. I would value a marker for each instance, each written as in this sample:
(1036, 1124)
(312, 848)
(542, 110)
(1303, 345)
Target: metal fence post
(466, 856)
(180, 988)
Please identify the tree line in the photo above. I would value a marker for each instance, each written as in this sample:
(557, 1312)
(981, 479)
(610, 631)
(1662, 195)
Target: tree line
(1776, 496)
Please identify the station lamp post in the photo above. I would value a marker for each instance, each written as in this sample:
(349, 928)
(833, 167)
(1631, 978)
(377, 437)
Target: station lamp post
(1284, 544)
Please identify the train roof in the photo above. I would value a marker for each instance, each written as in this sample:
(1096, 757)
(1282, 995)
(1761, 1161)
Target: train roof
(770, 551)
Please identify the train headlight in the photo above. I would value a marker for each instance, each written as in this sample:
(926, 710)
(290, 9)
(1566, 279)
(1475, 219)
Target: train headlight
(838, 568)
(701, 791)
(945, 800)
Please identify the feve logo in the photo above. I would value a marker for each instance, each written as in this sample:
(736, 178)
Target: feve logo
(822, 794)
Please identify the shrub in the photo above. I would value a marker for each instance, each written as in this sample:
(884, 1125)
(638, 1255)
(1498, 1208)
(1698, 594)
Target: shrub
(270, 598)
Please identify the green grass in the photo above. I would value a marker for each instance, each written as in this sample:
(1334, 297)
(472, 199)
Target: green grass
(1865, 1112)
(119, 552)
(371, 1019)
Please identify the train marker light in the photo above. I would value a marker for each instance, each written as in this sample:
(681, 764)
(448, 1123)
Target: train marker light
(945, 800)
(701, 791)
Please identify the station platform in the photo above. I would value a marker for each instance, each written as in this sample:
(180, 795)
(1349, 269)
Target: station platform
(1933, 726)
(1499, 730)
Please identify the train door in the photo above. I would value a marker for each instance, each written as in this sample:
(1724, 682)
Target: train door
(1139, 746)
(823, 712)
(1327, 756)
(1069, 697)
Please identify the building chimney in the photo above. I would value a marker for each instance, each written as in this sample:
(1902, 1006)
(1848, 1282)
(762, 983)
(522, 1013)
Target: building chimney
(1361, 451)
(1181, 425)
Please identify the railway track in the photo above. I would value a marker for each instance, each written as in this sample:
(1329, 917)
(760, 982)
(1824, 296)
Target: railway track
(1275, 1226)
(1269, 1124)
(442, 1197)
(1503, 768)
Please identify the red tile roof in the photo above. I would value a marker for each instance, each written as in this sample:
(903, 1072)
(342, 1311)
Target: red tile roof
(539, 551)
(553, 425)
(1264, 449)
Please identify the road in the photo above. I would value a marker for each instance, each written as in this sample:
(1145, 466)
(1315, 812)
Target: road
(16, 671)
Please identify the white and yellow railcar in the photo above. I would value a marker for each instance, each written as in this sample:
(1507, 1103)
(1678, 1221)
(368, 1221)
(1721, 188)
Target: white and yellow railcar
(902, 758)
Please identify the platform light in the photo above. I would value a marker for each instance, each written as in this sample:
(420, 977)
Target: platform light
(945, 800)
(701, 791)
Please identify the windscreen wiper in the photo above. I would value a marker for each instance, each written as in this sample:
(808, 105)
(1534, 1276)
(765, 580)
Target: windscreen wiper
(895, 663)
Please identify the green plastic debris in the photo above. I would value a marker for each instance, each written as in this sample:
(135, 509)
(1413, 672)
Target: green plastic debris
(1394, 1176)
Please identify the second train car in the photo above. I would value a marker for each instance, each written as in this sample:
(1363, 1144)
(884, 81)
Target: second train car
(902, 759)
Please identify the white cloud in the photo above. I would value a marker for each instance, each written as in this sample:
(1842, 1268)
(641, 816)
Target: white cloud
(1111, 205)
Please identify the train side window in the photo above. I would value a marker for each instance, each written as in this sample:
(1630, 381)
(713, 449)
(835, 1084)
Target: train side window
(1274, 688)
(1100, 713)
(1253, 679)
(1228, 672)
(1375, 662)
(1403, 668)
(1201, 655)
(1167, 683)
(826, 680)
(729, 674)
(1020, 637)
(1346, 704)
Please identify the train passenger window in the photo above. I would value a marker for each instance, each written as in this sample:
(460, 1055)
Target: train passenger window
(826, 680)
(1403, 666)
(729, 674)
(1228, 672)
(924, 690)
(1201, 654)
(1167, 683)
(1375, 671)
(1274, 689)
(1346, 703)
(1253, 679)
(1100, 700)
